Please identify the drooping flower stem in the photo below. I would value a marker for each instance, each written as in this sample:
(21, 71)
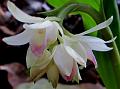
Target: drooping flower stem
(113, 56)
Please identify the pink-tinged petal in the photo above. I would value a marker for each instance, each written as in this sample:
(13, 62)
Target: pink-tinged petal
(77, 76)
(19, 39)
(21, 16)
(38, 61)
(63, 60)
(73, 73)
(91, 57)
(37, 46)
(38, 42)
(38, 49)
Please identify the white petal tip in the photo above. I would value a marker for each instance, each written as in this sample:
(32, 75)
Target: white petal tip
(113, 39)
(25, 26)
(9, 3)
(108, 49)
(110, 19)
(85, 65)
(96, 66)
(4, 40)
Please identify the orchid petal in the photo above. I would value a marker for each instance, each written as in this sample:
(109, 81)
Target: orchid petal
(38, 42)
(35, 61)
(94, 43)
(51, 33)
(99, 26)
(39, 65)
(38, 26)
(90, 39)
(30, 58)
(77, 76)
(53, 18)
(73, 73)
(78, 73)
(109, 41)
(76, 50)
(59, 28)
(91, 57)
(63, 60)
(51, 30)
(21, 16)
(75, 55)
(43, 60)
(99, 46)
(93, 39)
(19, 39)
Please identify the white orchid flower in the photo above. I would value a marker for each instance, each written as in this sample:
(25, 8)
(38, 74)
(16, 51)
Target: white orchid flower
(39, 32)
(77, 49)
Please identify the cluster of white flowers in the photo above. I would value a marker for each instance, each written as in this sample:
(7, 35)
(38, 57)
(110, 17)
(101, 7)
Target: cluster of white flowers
(53, 53)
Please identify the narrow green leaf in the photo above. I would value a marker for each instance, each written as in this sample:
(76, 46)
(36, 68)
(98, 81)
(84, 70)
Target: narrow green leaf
(106, 71)
(111, 9)
(110, 61)
(57, 3)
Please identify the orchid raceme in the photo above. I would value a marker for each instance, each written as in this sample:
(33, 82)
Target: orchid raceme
(67, 51)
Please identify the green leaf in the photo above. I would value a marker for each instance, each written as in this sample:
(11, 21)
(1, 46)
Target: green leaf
(106, 71)
(109, 63)
(109, 67)
(57, 3)
(111, 9)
